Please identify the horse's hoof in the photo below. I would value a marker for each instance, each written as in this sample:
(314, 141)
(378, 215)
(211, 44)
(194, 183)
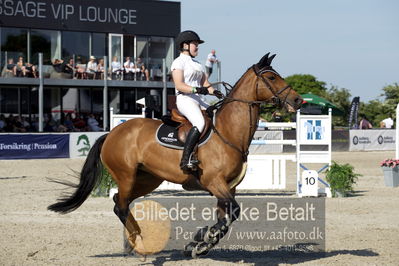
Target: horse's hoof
(201, 249)
(189, 248)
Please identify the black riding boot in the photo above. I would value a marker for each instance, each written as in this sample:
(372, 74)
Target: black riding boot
(191, 141)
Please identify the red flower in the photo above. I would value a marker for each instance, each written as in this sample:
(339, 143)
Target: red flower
(390, 163)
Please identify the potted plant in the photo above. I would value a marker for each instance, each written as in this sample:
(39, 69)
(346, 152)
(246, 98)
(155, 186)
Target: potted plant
(391, 172)
(341, 179)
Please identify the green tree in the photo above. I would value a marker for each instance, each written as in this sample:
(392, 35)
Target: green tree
(340, 97)
(391, 94)
(305, 83)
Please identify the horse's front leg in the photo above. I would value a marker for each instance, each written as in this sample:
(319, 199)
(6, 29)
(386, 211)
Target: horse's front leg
(228, 211)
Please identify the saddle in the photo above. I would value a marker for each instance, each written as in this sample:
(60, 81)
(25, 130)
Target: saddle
(184, 125)
(172, 133)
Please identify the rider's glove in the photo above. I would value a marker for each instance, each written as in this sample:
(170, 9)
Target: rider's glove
(201, 90)
(218, 94)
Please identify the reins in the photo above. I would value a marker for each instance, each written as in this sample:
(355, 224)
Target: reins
(226, 99)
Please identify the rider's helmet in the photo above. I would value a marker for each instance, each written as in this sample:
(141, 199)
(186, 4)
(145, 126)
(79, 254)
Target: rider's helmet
(187, 37)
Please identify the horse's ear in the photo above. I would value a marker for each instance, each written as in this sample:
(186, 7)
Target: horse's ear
(270, 59)
(263, 61)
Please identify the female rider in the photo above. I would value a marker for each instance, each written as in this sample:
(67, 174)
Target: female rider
(189, 78)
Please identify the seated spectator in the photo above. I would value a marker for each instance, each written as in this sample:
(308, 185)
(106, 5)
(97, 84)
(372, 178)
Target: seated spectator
(116, 68)
(129, 69)
(69, 67)
(78, 122)
(25, 124)
(30, 71)
(10, 69)
(100, 69)
(80, 69)
(93, 123)
(20, 68)
(2, 123)
(49, 123)
(68, 124)
(91, 68)
(58, 65)
(141, 71)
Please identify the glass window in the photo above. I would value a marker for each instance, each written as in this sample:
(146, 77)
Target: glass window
(159, 48)
(47, 42)
(142, 49)
(98, 45)
(76, 44)
(13, 44)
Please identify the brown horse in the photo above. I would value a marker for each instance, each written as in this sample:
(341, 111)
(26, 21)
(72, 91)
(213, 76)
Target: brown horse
(139, 164)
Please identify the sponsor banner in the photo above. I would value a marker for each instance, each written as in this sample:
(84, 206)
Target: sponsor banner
(80, 143)
(34, 146)
(372, 140)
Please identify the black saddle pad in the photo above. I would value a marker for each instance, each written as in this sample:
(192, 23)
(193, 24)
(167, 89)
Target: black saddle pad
(167, 136)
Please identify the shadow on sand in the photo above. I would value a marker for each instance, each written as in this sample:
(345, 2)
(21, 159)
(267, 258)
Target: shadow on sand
(255, 258)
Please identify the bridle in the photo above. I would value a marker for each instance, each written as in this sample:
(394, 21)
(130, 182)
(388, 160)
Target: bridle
(275, 100)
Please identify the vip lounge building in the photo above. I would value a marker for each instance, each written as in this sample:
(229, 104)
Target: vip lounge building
(79, 29)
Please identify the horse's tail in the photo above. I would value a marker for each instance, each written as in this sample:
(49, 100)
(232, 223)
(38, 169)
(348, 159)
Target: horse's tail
(89, 178)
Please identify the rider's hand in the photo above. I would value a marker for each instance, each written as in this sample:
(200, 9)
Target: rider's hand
(218, 94)
(202, 90)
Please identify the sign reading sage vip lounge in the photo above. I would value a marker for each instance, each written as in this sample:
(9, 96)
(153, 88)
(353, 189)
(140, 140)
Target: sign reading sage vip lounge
(34, 146)
(263, 225)
(372, 140)
(117, 16)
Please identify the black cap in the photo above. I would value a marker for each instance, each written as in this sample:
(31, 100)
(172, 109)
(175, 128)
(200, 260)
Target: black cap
(187, 37)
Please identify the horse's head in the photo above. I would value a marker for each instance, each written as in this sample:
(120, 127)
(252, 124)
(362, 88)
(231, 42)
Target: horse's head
(272, 86)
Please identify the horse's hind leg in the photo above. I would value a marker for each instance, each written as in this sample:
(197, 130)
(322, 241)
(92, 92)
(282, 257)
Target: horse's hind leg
(129, 189)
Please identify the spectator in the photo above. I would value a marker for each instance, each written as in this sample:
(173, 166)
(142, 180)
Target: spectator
(141, 70)
(2, 123)
(78, 122)
(129, 68)
(386, 123)
(93, 123)
(30, 70)
(91, 68)
(58, 65)
(69, 67)
(211, 59)
(20, 67)
(80, 69)
(100, 69)
(116, 68)
(25, 124)
(11, 68)
(49, 123)
(364, 123)
(68, 123)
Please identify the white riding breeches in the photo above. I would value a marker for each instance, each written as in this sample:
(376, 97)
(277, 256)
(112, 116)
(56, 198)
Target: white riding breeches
(190, 106)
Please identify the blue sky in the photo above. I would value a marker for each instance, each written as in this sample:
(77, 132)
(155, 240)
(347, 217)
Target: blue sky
(352, 44)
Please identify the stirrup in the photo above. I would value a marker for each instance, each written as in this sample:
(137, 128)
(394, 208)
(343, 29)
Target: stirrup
(192, 163)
